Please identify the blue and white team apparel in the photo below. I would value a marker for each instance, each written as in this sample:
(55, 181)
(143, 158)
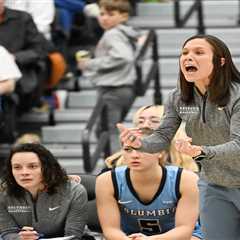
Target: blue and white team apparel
(156, 216)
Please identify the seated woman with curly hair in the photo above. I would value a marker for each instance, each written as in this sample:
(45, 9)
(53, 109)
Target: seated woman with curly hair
(37, 199)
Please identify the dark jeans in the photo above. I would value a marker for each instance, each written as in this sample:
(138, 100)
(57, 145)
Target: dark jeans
(119, 101)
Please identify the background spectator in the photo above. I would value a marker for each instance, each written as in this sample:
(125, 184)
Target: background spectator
(9, 74)
(19, 35)
(42, 12)
(112, 69)
(67, 10)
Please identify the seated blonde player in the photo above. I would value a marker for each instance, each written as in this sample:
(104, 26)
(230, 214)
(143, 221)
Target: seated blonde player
(145, 120)
(146, 200)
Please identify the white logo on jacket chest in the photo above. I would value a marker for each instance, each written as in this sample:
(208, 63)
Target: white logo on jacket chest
(53, 208)
(19, 209)
(188, 110)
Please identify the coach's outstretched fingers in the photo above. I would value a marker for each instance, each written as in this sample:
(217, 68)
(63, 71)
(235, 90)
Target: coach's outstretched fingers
(129, 137)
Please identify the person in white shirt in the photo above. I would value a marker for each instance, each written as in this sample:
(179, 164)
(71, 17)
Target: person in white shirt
(43, 12)
(9, 72)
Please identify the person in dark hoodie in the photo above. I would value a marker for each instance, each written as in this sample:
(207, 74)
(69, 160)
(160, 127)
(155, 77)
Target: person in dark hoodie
(112, 69)
(37, 200)
(208, 100)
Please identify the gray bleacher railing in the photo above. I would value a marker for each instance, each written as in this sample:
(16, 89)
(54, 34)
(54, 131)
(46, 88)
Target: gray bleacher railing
(100, 110)
(238, 12)
(181, 21)
(141, 84)
(89, 161)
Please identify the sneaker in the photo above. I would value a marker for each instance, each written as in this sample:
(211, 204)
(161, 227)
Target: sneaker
(42, 109)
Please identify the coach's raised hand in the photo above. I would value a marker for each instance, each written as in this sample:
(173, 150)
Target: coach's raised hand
(129, 136)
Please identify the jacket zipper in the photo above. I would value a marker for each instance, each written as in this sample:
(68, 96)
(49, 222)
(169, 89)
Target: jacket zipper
(204, 108)
(34, 209)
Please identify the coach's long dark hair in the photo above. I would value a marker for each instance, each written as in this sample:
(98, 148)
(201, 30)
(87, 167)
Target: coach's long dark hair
(53, 174)
(221, 78)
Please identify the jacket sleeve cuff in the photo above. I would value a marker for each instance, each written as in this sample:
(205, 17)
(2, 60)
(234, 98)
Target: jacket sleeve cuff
(200, 157)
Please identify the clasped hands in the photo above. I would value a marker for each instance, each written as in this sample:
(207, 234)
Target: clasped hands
(28, 233)
(138, 236)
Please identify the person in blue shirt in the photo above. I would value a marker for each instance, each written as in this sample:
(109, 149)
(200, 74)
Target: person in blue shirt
(67, 10)
(147, 200)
